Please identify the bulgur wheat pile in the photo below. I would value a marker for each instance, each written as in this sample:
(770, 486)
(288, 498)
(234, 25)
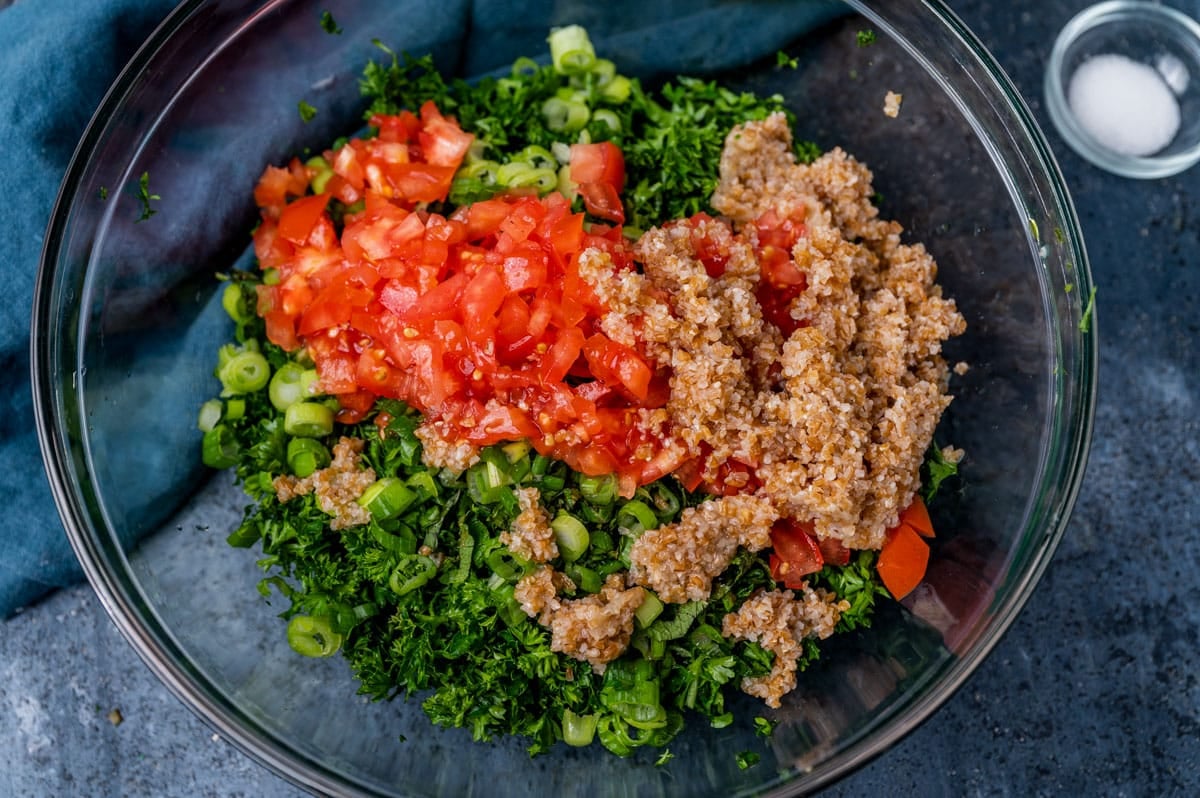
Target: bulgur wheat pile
(834, 420)
(337, 486)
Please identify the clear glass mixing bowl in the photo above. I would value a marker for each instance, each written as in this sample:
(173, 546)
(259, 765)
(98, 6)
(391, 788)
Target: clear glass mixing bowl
(125, 326)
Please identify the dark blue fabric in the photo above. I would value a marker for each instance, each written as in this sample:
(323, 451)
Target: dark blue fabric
(58, 58)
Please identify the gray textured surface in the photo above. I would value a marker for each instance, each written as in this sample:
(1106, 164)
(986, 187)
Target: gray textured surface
(1093, 691)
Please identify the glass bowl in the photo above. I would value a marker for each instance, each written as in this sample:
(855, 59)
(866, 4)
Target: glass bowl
(127, 317)
(1123, 88)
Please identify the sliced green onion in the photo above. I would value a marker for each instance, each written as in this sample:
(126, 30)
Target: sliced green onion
(323, 173)
(608, 118)
(579, 730)
(571, 51)
(424, 485)
(219, 448)
(387, 498)
(584, 578)
(290, 383)
(524, 67)
(649, 610)
(566, 186)
(571, 536)
(413, 571)
(308, 420)
(235, 408)
(245, 372)
(306, 455)
(617, 90)
(209, 415)
(483, 170)
(604, 71)
(235, 303)
(313, 636)
(636, 517)
(564, 116)
(403, 542)
(488, 479)
(599, 490)
(506, 565)
(522, 175)
(537, 157)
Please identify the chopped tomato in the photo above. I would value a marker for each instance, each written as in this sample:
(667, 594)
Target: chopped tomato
(796, 553)
(916, 515)
(599, 172)
(902, 561)
(298, 219)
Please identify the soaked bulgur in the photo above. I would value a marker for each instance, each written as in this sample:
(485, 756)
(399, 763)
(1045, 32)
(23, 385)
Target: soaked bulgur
(530, 536)
(337, 486)
(595, 629)
(779, 621)
(834, 420)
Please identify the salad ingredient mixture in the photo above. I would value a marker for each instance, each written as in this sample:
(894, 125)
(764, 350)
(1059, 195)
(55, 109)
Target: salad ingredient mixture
(572, 408)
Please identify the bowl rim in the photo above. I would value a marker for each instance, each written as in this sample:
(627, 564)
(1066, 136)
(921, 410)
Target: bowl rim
(154, 644)
(1172, 23)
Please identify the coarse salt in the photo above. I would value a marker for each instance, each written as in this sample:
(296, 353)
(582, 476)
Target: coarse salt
(1125, 105)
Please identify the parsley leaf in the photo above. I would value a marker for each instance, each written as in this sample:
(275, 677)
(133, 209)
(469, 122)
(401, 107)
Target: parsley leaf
(144, 196)
(936, 470)
(328, 24)
(748, 759)
(865, 38)
(307, 112)
(782, 60)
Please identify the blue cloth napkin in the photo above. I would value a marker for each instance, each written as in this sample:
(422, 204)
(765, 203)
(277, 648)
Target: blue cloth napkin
(56, 61)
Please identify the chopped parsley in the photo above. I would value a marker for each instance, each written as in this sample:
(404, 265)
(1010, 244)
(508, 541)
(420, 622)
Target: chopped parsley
(783, 60)
(936, 470)
(307, 112)
(103, 192)
(329, 25)
(763, 727)
(144, 197)
(748, 759)
(865, 38)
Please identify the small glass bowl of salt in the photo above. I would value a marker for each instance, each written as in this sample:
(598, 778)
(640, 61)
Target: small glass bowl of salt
(1123, 88)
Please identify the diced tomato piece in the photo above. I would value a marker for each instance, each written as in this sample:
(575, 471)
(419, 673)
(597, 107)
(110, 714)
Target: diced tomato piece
(599, 172)
(443, 142)
(902, 561)
(603, 200)
(299, 218)
(618, 365)
(916, 515)
(834, 551)
(602, 162)
(561, 356)
(796, 554)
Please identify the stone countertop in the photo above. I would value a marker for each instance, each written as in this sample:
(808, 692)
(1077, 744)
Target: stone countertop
(1092, 691)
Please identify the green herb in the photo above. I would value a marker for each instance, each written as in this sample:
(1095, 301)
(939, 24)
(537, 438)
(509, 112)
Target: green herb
(328, 24)
(307, 112)
(935, 470)
(865, 38)
(763, 727)
(144, 196)
(103, 192)
(748, 759)
(1085, 321)
(782, 60)
(663, 758)
(1069, 287)
(857, 583)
